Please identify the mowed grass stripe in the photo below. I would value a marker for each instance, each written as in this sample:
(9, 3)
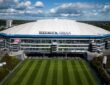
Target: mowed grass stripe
(54, 79)
(81, 73)
(95, 78)
(34, 73)
(11, 77)
(45, 73)
(28, 75)
(71, 73)
(22, 76)
(59, 74)
(17, 75)
(38, 78)
(50, 73)
(79, 81)
(65, 73)
(88, 74)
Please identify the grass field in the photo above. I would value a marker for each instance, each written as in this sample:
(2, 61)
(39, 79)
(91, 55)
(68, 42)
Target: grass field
(53, 72)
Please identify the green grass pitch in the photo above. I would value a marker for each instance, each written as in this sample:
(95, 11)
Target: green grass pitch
(53, 72)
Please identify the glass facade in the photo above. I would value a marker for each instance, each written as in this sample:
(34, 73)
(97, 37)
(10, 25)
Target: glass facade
(45, 44)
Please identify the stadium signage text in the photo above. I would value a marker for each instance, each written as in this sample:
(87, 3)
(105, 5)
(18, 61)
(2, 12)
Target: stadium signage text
(54, 33)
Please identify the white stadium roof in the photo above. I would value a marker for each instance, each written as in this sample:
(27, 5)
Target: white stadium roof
(60, 26)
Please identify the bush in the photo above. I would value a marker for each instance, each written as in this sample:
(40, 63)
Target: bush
(108, 62)
(97, 64)
(3, 72)
(11, 62)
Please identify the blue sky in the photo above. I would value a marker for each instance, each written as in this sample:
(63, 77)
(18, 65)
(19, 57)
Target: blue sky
(98, 10)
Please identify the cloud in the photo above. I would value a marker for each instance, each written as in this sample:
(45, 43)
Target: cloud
(27, 3)
(5, 4)
(53, 10)
(70, 15)
(67, 9)
(40, 11)
(39, 4)
(16, 1)
(1, 1)
(10, 10)
(75, 9)
(106, 9)
(77, 5)
(20, 6)
(34, 12)
(24, 5)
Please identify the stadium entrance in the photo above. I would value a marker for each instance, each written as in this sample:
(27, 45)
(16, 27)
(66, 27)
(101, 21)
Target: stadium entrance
(56, 55)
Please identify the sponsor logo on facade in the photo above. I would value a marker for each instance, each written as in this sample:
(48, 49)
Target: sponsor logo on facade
(54, 33)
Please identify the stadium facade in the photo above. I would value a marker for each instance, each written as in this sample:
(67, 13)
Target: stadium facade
(55, 36)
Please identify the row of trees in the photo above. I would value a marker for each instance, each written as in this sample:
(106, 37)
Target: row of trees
(11, 62)
(15, 22)
(97, 64)
(102, 24)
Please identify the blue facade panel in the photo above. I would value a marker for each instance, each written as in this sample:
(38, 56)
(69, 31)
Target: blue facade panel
(53, 36)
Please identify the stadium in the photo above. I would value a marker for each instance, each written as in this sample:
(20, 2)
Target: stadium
(54, 50)
(55, 36)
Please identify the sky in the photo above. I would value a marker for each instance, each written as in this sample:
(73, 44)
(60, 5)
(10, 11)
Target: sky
(82, 10)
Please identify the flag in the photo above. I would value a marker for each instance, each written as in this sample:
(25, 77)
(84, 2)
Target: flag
(16, 40)
(1, 40)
